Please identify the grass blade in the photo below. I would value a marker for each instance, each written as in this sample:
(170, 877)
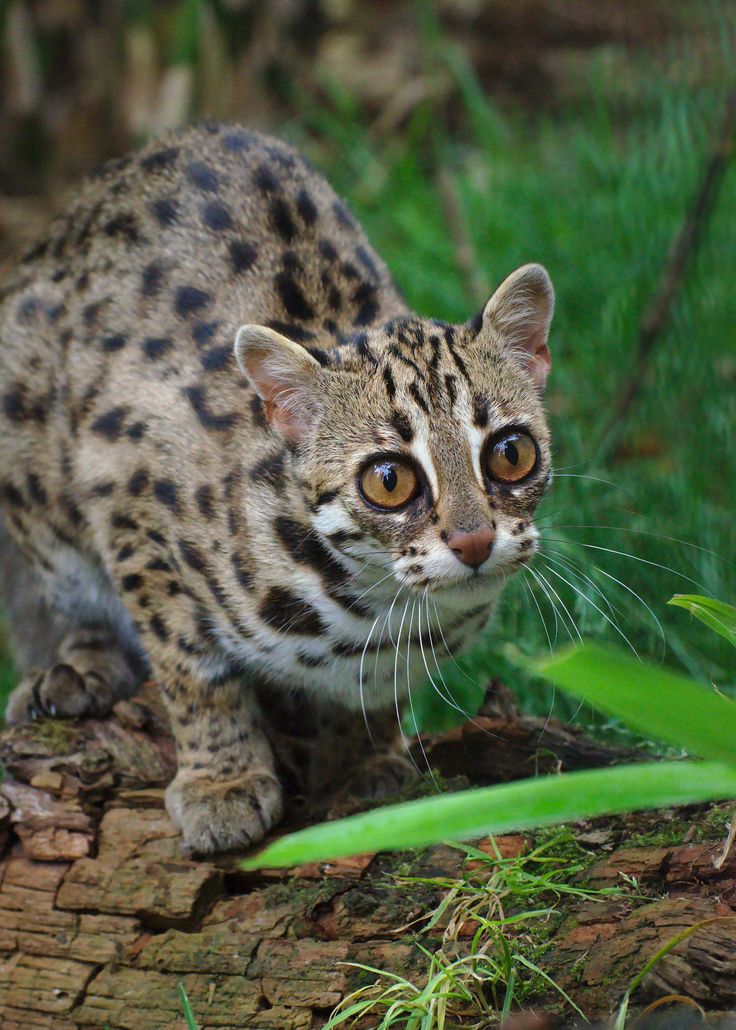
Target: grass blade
(186, 1007)
(620, 1023)
(718, 615)
(651, 699)
(513, 806)
(545, 976)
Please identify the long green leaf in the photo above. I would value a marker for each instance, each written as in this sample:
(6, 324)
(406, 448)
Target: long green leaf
(716, 614)
(661, 704)
(513, 806)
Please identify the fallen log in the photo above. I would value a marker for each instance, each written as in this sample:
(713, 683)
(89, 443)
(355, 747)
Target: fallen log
(103, 913)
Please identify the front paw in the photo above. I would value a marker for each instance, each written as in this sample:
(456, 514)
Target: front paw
(223, 815)
(381, 777)
(60, 693)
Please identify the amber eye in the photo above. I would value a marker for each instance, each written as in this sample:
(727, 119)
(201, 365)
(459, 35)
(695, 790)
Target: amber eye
(389, 483)
(511, 457)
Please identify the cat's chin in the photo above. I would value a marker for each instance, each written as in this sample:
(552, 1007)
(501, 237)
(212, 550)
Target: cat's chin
(463, 586)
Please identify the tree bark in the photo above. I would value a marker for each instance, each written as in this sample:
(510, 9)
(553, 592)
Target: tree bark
(102, 912)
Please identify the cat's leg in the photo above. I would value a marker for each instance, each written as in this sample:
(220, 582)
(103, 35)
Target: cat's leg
(384, 769)
(30, 627)
(368, 757)
(226, 793)
(89, 674)
(383, 774)
(71, 669)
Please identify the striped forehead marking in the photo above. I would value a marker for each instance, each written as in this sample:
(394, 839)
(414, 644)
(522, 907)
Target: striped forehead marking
(442, 387)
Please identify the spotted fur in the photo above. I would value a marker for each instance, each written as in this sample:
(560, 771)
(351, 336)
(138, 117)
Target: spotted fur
(204, 519)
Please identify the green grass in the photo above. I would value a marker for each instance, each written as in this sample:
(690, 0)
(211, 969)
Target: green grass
(497, 970)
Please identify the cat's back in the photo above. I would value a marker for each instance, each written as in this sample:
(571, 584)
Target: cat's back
(124, 313)
(187, 238)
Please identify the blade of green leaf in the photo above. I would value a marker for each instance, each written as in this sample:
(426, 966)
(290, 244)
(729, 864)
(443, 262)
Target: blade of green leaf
(186, 1007)
(512, 806)
(718, 615)
(652, 699)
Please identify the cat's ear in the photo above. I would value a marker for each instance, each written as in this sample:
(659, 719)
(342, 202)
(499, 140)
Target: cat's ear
(519, 313)
(284, 375)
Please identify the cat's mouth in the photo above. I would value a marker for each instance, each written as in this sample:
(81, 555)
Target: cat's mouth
(476, 581)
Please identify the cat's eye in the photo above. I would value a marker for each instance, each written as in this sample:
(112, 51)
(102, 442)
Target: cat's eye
(389, 483)
(511, 457)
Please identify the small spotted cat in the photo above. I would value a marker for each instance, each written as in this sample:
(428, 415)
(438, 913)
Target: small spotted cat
(231, 458)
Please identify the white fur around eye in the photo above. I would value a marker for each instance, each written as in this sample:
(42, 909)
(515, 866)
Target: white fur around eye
(476, 440)
(422, 454)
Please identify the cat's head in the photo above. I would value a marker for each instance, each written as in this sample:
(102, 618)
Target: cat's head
(422, 448)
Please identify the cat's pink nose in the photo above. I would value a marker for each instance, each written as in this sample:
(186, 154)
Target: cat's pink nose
(472, 548)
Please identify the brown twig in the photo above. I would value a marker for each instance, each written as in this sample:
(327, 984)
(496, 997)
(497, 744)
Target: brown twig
(683, 249)
(475, 282)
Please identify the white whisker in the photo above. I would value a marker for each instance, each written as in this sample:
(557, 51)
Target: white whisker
(447, 698)
(632, 557)
(630, 590)
(360, 680)
(594, 479)
(549, 712)
(533, 573)
(597, 607)
(450, 655)
(544, 579)
(397, 645)
(644, 532)
(536, 602)
(570, 566)
(408, 686)
(386, 621)
(366, 592)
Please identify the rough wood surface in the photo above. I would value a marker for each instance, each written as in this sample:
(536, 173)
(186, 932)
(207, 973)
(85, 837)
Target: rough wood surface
(102, 913)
